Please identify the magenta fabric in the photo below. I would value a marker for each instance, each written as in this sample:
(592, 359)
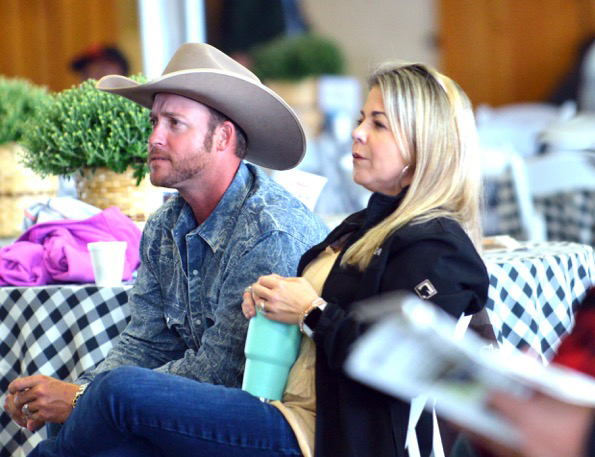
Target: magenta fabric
(56, 251)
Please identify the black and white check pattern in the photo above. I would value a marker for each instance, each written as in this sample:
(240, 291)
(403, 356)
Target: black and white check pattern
(59, 331)
(62, 331)
(534, 292)
(569, 216)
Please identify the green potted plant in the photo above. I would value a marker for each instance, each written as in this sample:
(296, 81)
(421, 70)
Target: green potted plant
(19, 186)
(295, 58)
(100, 139)
(291, 66)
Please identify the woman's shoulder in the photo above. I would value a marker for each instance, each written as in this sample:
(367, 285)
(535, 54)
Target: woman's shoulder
(436, 228)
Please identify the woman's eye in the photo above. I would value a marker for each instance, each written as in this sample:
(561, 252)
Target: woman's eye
(358, 122)
(380, 125)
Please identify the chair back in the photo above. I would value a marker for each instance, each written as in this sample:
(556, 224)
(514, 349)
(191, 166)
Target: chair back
(559, 172)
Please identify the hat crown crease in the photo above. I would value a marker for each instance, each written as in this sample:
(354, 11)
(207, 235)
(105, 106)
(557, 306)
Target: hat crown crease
(190, 57)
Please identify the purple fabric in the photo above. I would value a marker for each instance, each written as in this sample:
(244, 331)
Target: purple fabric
(56, 251)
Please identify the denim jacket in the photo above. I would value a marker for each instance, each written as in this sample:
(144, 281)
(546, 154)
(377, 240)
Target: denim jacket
(185, 305)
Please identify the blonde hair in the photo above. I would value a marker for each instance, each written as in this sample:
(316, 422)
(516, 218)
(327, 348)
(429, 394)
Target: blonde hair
(432, 121)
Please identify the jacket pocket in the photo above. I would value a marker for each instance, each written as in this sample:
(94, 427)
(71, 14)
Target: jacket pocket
(175, 319)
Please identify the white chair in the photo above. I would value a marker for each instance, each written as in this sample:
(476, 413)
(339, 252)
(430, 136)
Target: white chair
(548, 175)
(496, 162)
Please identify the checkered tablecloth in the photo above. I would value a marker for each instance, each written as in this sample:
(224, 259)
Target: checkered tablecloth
(59, 331)
(534, 292)
(569, 216)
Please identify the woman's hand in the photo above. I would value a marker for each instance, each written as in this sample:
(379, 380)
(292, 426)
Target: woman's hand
(248, 303)
(281, 299)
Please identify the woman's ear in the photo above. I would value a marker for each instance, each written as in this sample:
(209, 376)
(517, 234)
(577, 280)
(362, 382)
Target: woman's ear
(406, 176)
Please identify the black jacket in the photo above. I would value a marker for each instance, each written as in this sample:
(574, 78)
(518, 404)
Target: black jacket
(352, 419)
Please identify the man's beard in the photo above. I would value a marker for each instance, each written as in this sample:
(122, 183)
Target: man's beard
(184, 168)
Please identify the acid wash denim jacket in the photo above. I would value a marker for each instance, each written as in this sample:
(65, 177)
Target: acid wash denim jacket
(186, 316)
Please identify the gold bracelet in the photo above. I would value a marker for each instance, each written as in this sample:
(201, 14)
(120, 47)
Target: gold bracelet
(78, 394)
(315, 304)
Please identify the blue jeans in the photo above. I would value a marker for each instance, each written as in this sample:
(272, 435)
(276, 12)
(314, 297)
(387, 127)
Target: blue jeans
(134, 411)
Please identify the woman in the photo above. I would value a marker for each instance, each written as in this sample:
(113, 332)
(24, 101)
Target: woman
(415, 148)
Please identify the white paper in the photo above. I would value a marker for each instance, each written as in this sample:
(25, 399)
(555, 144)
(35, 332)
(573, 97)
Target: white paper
(305, 186)
(411, 351)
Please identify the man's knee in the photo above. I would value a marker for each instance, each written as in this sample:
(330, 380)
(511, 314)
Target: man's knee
(119, 380)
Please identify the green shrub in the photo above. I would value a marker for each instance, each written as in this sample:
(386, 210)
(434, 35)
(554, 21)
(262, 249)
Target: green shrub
(83, 127)
(18, 99)
(292, 58)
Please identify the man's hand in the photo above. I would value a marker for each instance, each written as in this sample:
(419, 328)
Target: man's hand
(47, 400)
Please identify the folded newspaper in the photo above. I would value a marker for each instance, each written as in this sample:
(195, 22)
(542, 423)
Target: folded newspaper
(411, 351)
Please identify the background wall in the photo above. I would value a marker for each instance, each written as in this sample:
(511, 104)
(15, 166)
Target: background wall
(501, 51)
(375, 30)
(39, 38)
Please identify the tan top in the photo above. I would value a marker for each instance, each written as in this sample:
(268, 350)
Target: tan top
(298, 404)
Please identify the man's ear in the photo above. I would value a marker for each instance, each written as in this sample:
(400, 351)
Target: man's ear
(224, 135)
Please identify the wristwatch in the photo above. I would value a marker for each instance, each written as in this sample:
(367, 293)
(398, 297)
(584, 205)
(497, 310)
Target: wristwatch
(311, 320)
(78, 394)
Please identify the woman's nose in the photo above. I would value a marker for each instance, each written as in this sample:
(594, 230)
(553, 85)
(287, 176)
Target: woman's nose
(359, 134)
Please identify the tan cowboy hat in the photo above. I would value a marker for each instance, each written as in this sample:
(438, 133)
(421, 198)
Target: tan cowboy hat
(205, 74)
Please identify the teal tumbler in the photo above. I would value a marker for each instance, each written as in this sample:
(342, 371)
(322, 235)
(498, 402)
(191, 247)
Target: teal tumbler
(271, 349)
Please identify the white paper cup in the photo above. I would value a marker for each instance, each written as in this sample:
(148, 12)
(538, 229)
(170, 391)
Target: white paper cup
(107, 258)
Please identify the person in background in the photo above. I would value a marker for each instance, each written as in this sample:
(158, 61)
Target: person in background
(551, 427)
(228, 225)
(98, 61)
(415, 148)
(251, 23)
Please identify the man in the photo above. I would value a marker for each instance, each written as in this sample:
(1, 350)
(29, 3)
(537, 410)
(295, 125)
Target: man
(98, 61)
(228, 225)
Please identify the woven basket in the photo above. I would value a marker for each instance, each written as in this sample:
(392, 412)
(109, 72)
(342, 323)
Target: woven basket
(20, 187)
(104, 188)
(302, 96)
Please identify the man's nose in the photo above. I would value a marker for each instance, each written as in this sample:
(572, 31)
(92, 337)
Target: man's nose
(157, 135)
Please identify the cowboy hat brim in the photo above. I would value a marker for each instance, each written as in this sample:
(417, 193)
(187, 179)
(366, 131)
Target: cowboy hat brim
(275, 136)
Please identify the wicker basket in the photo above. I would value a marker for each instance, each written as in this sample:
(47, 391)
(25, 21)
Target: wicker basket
(302, 96)
(104, 188)
(20, 187)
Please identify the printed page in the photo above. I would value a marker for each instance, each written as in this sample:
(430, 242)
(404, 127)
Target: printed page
(411, 351)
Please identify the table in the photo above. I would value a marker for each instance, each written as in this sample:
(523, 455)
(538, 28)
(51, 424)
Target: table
(569, 216)
(59, 331)
(63, 330)
(534, 292)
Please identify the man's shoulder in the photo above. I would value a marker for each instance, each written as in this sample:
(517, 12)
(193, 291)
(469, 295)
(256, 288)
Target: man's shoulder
(273, 208)
(165, 217)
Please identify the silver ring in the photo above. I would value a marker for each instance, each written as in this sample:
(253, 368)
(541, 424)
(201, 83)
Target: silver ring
(25, 410)
(260, 306)
(248, 289)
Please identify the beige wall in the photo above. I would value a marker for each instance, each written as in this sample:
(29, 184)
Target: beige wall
(375, 30)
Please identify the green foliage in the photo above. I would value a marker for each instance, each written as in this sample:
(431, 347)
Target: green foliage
(83, 127)
(296, 57)
(18, 100)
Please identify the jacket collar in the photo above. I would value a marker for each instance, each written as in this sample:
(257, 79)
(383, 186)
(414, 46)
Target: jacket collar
(222, 220)
(380, 206)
